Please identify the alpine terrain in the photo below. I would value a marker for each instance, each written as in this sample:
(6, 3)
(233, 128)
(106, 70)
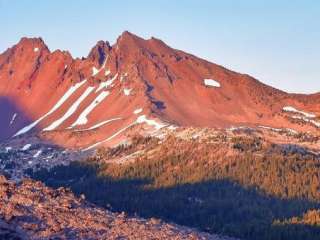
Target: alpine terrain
(184, 148)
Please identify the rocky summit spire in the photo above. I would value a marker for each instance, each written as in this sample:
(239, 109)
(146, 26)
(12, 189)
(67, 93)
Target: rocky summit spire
(99, 52)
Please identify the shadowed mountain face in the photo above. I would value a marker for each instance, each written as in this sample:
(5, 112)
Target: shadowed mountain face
(95, 101)
(12, 117)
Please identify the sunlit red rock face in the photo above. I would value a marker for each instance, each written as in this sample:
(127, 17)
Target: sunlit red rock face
(95, 100)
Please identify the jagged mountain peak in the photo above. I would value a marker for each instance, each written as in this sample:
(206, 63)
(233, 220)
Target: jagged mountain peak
(130, 42)
(32, 44)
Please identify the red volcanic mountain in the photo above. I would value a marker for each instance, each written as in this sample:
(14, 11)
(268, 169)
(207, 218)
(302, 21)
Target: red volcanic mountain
(135, 83)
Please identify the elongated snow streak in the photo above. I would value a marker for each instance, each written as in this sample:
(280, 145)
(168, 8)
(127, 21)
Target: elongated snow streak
(13, 118)
(109, 138)
(68, 93)
(279, 129)
(37, 154)
(107, 83)
(70, 111)
(137, 111)
(98, 125)
(26, 147)
(292, 109)
(211, 83)
(305, 119)
(140, 119)
(82, 119)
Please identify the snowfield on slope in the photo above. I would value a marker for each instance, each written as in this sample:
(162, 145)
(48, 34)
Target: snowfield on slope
(307, 120)
(294, 110)
(67, 94)
(155, 124)
(82, 119)
(211, 83)
(70, 111)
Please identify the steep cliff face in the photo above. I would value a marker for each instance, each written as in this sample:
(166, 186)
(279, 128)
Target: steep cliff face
(135, 82)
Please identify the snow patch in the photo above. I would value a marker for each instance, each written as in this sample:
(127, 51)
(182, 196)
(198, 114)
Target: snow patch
(173, 127)
(306, 117)
(106, 84)
(70, 111)
(36, 49)
(8, 149)
(294, 110)
(233, 128)
(137, 111)
(82, 119)
(127, 91)
(26, 147)
(155, 124)
(68, 93)
(95, 71)
(107, 72)
(211, 83)
(13, 118)
(37, 154)
(50, 156)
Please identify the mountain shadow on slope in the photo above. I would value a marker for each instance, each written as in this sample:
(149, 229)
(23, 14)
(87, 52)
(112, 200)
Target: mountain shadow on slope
(12, 117)
(216, 206)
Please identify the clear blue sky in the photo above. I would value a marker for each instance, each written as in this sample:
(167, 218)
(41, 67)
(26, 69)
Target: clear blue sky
(276, 41)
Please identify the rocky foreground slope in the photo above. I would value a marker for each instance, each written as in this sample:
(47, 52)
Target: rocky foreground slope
(29, 210)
